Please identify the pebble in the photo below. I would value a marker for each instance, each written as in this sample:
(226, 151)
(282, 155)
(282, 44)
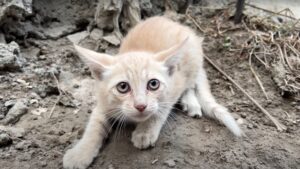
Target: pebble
(44, 164)
(207, 129)
(112, 39)
(250, 126)
(243, 115)
(10, 103)
(240, 121)
(96, 34)
(154, 161)
(15, 113)
(110, 166)
(21, 145)
(5, 139)
(170, 163)
(33, 101)
(42, 57)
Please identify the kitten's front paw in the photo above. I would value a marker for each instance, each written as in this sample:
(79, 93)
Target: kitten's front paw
(143, 139)
(76, 158)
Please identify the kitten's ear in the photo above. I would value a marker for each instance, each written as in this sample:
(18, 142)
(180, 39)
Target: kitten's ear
(170, 57)
(97, 62)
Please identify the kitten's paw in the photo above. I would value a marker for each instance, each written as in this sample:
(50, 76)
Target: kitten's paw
(194, 112)
(77, 158)
(190, 104)
(143, 140)
(192, 109)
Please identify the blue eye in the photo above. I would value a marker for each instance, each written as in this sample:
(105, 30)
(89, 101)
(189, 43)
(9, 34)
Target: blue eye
(153, 84)
(123, 87)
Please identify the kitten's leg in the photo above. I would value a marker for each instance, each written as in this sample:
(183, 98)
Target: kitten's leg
(83, 153)
(146, 133)
(211, 108)
(190, 103)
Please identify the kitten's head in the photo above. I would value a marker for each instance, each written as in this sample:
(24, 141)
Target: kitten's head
(134, 83)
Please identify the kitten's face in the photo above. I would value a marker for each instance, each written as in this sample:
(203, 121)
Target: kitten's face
(136, 84)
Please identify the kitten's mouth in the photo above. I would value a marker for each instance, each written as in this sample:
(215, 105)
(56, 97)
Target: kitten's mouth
(141, 116)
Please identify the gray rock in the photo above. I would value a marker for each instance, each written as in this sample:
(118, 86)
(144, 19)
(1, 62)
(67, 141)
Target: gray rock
(112, 39)
(15, 8)
(43, 164)
(58, 31)
(10, 58)
(96, 34)
(13, 131)
(170, 163)
(76, 38)
(2, 38)
(10, 103)
(5, 139)
(111, 166)
(21, 145)
(15, 113)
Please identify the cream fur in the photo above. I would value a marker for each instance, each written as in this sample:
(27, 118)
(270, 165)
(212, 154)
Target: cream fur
(156, 48)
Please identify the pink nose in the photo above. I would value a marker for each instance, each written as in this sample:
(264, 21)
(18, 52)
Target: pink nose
(140, 107)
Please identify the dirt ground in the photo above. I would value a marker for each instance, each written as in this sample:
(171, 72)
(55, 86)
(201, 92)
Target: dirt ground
(39, 141)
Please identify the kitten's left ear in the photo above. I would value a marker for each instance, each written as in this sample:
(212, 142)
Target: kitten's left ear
(97, 62)
(170, 57)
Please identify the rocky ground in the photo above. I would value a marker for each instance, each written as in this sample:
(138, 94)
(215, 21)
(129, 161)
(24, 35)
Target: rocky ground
(46, 98)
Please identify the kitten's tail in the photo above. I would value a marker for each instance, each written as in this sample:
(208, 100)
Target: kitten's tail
(220, 113)
(212, 109)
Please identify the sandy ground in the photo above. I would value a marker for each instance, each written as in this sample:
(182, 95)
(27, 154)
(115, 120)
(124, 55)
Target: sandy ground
(40, 142)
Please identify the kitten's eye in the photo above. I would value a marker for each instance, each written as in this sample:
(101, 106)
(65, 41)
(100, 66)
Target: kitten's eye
(153, 84)
(123, 87)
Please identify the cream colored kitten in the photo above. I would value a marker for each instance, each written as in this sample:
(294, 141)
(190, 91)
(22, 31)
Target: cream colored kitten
(159, 63)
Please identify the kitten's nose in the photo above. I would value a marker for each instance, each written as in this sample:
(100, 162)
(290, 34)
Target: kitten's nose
(140, 107)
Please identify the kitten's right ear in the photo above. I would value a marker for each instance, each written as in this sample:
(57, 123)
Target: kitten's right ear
(97, 62)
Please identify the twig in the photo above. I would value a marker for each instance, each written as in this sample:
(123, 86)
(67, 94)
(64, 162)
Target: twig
(286, 58)
(266, 10)
(256, 76)
(195, 22)
(58, 98)
(279, 126)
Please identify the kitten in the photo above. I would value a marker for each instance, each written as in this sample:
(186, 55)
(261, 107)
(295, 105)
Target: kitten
(159, 63)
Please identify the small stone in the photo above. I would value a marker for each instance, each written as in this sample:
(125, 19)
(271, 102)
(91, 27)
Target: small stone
(15, 113)
(23, 82)
(154, 161)
(243, 115)
(14, 131)
(207, 129)
(33, 101)
(170, 163)
(42, 57)
(76, 86)
(96, 34)
(20, 146)
(250, 126)
(110, 166)
(240, 121)
(5, 139)
(112, 39)
(78, 37)
(10, 57)
(44, 164)
(10, 103)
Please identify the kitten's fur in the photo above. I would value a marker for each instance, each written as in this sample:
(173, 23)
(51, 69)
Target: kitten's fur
(156, 48)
